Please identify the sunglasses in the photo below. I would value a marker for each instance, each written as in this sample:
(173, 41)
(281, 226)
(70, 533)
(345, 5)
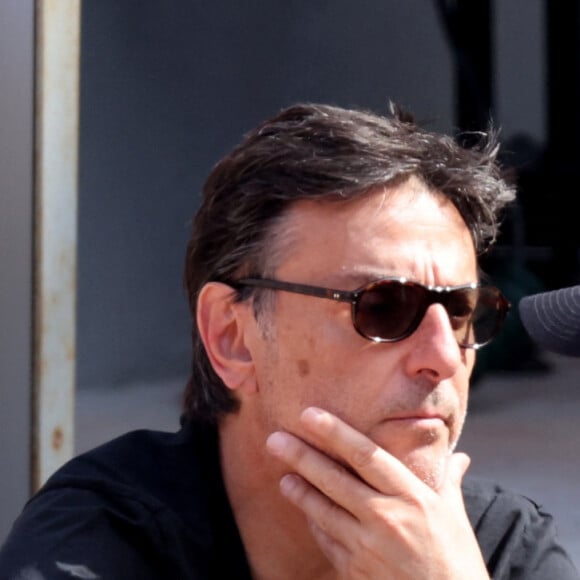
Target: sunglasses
(391, 309)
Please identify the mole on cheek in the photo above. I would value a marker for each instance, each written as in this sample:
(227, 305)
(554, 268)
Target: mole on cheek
(303, 367)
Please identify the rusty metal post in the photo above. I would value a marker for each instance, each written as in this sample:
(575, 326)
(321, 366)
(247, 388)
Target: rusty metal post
(56, 142)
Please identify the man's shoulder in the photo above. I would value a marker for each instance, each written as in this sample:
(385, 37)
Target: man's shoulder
(140, 503)
(128, 458)
(483, 496)
(157, 469)
(514, 532)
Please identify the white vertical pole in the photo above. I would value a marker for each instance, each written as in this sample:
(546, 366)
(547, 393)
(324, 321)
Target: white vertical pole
(56, 141)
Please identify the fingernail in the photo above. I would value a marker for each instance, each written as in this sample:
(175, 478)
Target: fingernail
(276, 443)
(288, 483)
(315, 420)
(312, 413)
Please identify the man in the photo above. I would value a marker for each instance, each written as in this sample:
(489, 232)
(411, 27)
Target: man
(337, 309)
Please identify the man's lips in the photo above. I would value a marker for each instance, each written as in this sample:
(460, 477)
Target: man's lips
(419, 417)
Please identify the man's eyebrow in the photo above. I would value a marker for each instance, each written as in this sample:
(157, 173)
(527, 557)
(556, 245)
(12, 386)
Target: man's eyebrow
(360, 277)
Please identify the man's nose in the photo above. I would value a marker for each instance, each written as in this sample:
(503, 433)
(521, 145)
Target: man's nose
(435, 344)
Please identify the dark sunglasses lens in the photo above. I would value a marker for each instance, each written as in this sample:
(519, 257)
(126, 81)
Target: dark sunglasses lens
(476, 314)
(462, 308)
(388, 310)
(391, 310)
(489, 315)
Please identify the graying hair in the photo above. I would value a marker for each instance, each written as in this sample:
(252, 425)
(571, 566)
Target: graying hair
(321, 153)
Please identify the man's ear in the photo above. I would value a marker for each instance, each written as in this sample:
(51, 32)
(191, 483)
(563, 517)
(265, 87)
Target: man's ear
(221, 322)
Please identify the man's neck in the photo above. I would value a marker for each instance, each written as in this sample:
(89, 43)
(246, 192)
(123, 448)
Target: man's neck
(275, 534)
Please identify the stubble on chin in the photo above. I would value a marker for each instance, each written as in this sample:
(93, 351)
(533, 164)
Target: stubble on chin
(430, 474)
(427, 457)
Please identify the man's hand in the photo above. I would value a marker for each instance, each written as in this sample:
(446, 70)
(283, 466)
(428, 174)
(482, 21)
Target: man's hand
(370, 515)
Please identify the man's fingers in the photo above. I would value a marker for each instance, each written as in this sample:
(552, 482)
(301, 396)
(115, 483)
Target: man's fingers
(382, 471)
(333, 525)
(348, 468)
(327, 475)
(332, 549)
(457, 466)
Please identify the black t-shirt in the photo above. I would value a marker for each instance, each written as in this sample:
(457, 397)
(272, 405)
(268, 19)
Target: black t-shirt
(151, 505)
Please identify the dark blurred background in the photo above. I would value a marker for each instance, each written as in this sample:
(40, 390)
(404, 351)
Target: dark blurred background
(168, 87)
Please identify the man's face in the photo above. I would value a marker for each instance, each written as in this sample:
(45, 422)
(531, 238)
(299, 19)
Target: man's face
(409, 397)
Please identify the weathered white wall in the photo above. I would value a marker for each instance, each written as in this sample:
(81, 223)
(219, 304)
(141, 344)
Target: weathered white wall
(16, 192)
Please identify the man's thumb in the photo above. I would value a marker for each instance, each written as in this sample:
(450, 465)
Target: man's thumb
(457, 465)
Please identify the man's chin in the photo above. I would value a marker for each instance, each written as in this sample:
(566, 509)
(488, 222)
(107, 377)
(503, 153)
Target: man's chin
(427, 463)
(422, 451)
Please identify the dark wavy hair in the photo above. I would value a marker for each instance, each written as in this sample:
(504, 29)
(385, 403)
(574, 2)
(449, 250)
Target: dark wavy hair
(326, 153)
